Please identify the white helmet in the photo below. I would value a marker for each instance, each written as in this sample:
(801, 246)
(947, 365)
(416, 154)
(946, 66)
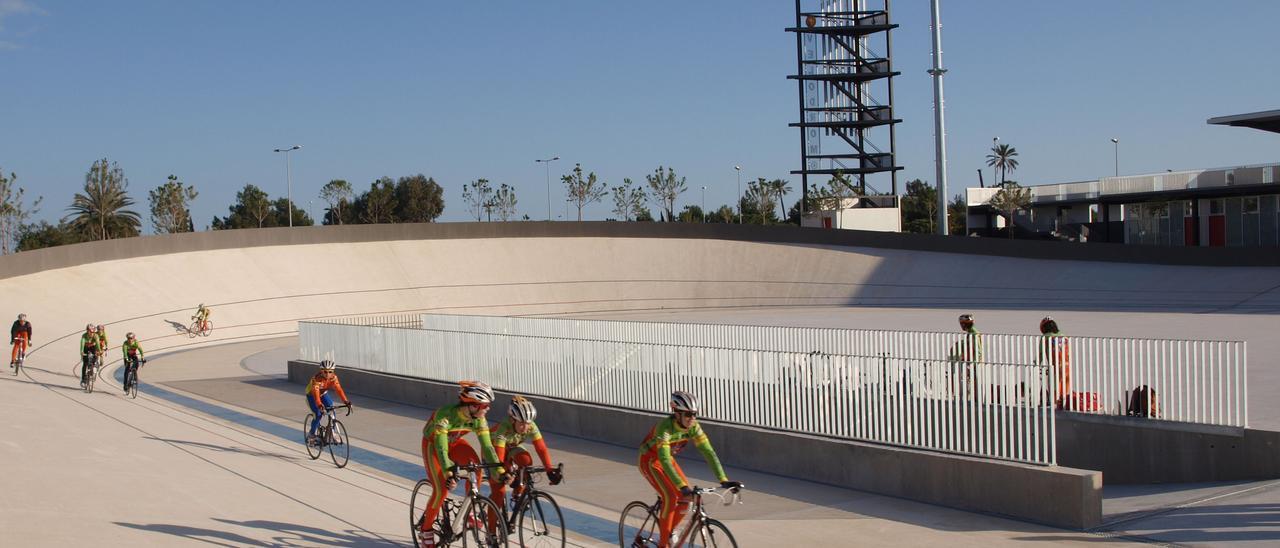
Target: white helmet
(684, 401)
(522, 410)
(327, 365)
(89, 327)
(475, 392)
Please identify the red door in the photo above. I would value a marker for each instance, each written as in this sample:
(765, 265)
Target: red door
(1190, 238)
(1217, 230)
(826, 222)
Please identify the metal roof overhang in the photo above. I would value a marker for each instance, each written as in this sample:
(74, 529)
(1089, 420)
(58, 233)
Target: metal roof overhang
(1268, 120)
(1169, 195)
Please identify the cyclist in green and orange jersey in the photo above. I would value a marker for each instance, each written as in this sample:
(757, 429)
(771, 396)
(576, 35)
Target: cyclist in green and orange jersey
(134, 357)
(88, 347)
(508, 440)
(102, 341)
(658, 464)
(443, 447)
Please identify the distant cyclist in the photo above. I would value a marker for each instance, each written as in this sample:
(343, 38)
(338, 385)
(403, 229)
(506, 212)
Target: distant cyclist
(1055, 352)
(508, 442)
(102, 341)
(658, 464)
(318, 399)
(201, 317)
(134, 357)
(19, 337)
(443, 448)
(88, 347)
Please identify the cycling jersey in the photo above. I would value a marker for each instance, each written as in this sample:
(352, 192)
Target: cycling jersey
(102, 340)
(448, 424)
(319, 385)
(89, 343)
(19, 327)
(506, 436)
(667, 439)
(131, 347)
(968, 349)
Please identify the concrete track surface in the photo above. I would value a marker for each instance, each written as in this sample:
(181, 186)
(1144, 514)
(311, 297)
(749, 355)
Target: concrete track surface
(209, 453)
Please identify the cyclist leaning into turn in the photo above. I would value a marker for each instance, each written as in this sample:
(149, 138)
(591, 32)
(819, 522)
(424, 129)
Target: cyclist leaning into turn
(508, 440)
(318, 399)
(19, 337)
(443, 448)
(201, 316)
(88, 347)
(659, 467)
(134, 357)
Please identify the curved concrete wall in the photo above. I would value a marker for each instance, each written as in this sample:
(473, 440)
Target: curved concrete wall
(260, 282)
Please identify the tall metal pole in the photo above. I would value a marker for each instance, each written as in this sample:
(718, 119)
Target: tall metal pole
(739, 170)
(288, 176)
(548, 164)
(1116, 142)
(939, 121)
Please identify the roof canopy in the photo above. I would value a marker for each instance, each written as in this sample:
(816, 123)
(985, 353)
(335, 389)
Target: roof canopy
(1266, 121)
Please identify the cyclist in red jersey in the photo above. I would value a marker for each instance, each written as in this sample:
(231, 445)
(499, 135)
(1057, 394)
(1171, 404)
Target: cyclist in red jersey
(659, 467)
(508, 442)
(443, 448)
(318, 394)
(19, 337)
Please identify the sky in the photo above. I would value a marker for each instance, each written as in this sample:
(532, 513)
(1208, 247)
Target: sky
(205, 90)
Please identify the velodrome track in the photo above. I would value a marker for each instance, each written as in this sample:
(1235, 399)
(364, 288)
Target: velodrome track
(97, 468)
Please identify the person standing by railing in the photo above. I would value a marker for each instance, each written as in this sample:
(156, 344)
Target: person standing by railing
(966, 352)
(1056, 353)
(19, 337)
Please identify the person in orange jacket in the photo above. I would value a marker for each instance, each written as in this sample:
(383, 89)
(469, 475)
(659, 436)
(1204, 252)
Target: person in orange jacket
(318, 399)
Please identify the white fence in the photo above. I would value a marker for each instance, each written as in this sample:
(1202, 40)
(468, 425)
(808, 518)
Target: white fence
(1192, 381)
(982, 409)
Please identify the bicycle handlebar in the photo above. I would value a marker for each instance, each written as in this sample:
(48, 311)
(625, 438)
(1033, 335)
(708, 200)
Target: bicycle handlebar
(347, 405)
(543, 469)
(729, 496)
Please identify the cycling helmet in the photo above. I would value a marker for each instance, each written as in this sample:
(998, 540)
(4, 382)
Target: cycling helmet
(128, 335)
(966, 318)
(89, 327)
(327, 365)
(475, 392)
(684, 401)
(22, 317)
(522, 409)
(1048, 325)
(102, 327)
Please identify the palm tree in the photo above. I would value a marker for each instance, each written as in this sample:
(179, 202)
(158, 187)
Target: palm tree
(1002, 157)
(780, 188)
(99, 212)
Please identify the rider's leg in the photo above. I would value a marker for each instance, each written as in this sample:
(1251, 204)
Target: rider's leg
(461, 453)
(435, 474)
(673, 506)
(16, 345)
(317, 411)
(84, 368)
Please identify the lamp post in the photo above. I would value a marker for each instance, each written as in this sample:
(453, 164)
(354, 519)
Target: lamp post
(704, 203)
(288, 175)
(547, 162)
(739, 170)
(999, 182)
(1116, 142)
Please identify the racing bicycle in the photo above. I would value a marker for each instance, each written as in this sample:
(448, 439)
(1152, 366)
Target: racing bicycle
(638, 527)
(331, 435)
(535, 517)
(467, 520)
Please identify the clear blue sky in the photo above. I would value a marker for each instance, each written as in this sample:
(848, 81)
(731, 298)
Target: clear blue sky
(462, 90)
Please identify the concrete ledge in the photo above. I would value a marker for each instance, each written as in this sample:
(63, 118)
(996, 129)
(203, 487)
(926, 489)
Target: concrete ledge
(1137, 450)
(1057, 496)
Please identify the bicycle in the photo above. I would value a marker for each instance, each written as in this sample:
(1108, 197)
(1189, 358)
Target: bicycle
(467, 521)
(90, 373)
(535, 515)
(639, 523)
(332, 435)
(199, 328)
(21, 344)
(131, 376)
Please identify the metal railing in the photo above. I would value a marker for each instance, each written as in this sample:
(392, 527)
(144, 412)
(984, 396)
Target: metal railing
(1194, 381)
(991, 410)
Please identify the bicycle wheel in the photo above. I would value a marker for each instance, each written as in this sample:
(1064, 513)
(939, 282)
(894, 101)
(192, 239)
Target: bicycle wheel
(312, 451)
(638, 527)
(206, 329)
(540, 522)
(476, 529)
(418, 508)
(712, 534)
(193, 330)
(133, 384)
(92, 375)
(339, 446)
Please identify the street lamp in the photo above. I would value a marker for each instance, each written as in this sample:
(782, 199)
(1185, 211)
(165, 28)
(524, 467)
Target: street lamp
(1116, 142)
(704, 203)
(548, 164)
(288, 175)
(739, 170)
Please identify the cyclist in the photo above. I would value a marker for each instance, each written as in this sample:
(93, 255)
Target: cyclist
(201, 316)
(318, 395)
(1055, 351)
(443, 448)
(19, 337)
(659, 467)
(966, 352)
(508, 440)
(134, 357)
(102, 342)
(88, 347)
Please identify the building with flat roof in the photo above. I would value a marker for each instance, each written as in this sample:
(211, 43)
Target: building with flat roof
(1232, 206)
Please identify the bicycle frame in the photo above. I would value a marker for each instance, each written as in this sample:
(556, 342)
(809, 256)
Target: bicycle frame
(457, 522)
(526, 477)
(698, 515)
